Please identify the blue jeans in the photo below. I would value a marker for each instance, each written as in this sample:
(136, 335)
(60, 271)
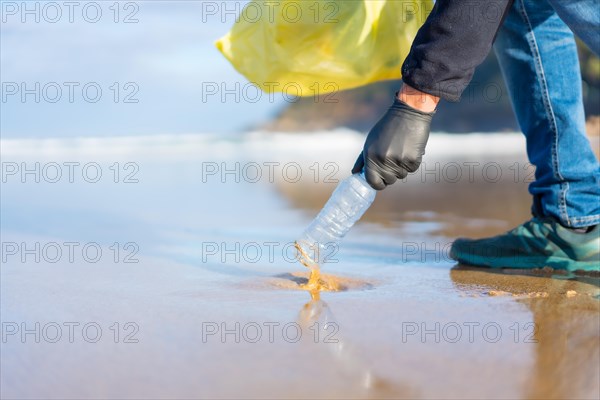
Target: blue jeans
(538, 56)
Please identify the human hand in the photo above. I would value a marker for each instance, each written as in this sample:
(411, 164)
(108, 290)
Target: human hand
(395, 146)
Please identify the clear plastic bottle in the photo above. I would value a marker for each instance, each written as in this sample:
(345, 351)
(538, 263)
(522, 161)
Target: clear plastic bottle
(350, 200)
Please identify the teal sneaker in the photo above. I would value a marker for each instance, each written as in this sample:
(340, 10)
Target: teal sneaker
(537, 243)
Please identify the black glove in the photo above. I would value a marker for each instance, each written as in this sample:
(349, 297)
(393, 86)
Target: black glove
(395, 145)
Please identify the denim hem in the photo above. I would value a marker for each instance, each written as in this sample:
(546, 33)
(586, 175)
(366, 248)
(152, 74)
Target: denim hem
(583, 222)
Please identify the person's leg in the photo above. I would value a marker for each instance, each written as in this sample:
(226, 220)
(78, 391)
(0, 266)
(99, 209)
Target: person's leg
(538, 56)
(583, 17)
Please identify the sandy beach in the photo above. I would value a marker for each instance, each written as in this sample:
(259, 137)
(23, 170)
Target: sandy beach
(163, 267)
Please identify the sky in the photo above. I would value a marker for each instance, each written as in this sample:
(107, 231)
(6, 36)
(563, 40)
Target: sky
(122, 69)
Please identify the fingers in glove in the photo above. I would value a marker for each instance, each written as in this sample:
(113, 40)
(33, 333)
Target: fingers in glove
(388, 176)
(375, 176)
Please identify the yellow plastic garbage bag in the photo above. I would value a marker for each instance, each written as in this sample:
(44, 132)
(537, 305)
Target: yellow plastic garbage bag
(310, 47)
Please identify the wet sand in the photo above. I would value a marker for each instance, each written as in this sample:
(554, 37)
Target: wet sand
(401, 319)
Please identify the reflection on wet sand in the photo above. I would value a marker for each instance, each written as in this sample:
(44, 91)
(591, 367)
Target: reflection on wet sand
(316, 314)
(567, 328)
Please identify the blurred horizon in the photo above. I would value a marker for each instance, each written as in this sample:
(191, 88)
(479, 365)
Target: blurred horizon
(158, 72)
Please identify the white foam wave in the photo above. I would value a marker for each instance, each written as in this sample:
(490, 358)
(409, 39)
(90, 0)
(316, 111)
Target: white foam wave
(340, 143)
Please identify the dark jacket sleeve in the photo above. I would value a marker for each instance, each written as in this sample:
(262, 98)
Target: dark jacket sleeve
(455, 39)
